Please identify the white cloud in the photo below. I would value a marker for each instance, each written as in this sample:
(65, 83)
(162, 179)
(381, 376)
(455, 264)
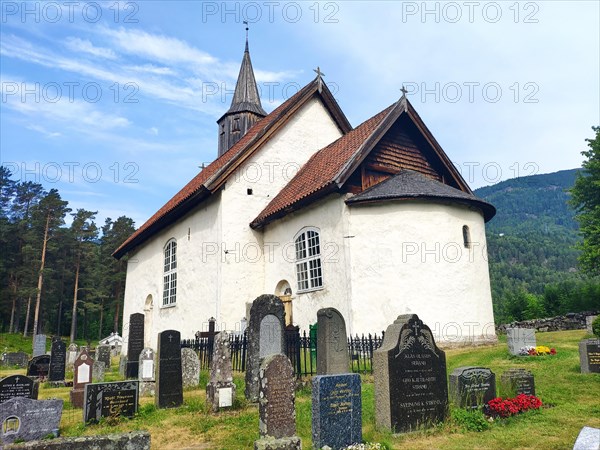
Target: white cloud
(85, 46)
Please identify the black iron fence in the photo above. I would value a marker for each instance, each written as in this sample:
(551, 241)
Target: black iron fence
(300, 348)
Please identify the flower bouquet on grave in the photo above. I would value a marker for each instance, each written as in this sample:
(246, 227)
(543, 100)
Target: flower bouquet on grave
(542, 350)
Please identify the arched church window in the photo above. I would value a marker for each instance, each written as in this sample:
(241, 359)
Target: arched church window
(309, 272)
(170, 273)
(466, 237)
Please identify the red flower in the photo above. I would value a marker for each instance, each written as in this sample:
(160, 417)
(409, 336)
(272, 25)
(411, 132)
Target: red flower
(511, 406)
(553, 351)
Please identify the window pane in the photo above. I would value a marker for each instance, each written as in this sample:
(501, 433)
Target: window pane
(316, 277)
(302, 276)
(301, 247)
(313, 243)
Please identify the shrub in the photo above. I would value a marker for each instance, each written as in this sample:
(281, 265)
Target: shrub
(470, 420)
(596, 326)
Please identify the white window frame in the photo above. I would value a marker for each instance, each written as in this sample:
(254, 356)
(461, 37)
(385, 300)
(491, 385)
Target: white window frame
(169, 284)
(308, 262)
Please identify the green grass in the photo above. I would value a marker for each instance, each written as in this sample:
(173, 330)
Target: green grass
(559, 383)
(17, 343)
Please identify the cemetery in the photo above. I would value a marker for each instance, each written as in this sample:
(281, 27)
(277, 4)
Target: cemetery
(410, 393)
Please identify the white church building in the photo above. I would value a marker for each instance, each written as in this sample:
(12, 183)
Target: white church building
(374, 221)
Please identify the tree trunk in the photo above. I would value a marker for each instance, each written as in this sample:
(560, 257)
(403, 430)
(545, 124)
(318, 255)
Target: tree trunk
(117, 308)
(41, 277)
(74, 314)
(59, 318)
(27, 317)
(12, 315)
(101, 317)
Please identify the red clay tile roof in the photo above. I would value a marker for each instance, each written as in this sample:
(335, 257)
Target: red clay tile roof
(321, 170)
(212, 173)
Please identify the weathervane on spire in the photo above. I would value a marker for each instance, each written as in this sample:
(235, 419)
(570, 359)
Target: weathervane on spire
(246, 23)
(320, 76)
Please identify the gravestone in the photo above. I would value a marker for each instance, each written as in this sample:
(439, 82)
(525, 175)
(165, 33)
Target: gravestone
(336, 411)
(190, 368)
(332, 343)
(517, 381)
(472, 387)
(135, 344)
(18, 386)
(72, 353)
(277, 415)
(265, 337)
(39, 345)
(97, 372)
(220, 390)
(588, 439)
(82, 375)
(169, 385)
(39, 366)
(588, 323)
(146, 372)
(589, 355)
(19, 359)
(519, 338)
(24, 419)
(123, 365)
(409, 373)
(119, 398)
(103, 355)
(58, 359)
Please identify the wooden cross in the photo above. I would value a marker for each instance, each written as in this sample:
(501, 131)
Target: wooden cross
(404, 91)
(318, 72)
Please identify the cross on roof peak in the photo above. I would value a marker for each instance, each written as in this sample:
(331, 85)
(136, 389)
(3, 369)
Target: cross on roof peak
(404, 91)
(318, 72)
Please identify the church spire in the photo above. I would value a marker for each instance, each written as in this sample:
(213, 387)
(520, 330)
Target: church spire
(245, 109)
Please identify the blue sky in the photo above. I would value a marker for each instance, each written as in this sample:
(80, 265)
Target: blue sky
(114, 103)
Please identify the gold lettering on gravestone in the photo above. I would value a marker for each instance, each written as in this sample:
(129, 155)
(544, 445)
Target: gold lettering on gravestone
(594, 358)
(118, 403)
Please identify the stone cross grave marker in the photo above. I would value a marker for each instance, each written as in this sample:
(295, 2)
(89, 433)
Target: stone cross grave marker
(39, 345)
(135, 344)
(25, 419)
(518, 338)
(589, 355)
(146, 372)
(119, 398)
(58, 360)
(409, 373)
(332, 343)
(517, 381)
(103, 355)
(38, 366)
(265, 337)
(472, 387)
(82, 375)
(18, 386)
(169, 385)
(19, 359)
(336, 411)
(190, 368)
(220, 390)
(277, 414)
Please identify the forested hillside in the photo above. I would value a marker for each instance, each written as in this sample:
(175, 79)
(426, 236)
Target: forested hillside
(532, 249)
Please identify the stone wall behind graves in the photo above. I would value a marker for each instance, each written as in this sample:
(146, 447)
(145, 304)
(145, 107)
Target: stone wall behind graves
(571, 321)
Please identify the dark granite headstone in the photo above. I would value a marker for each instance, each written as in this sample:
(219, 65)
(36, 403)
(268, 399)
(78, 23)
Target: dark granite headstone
(17, 386)
(19, 359)
(336, 411)
(517, 381)
(589, 355)
(25, 419)
(265, 337)
(82, 375)
(190, 368)
(119, 398)
(135, 344)
(472, 387)
(146, 372)
(39, 366)
(332, 343)
(220, 390)
(169, 385)
(409, 373)
(58, 359)
(519, 338)
(277, 415)
(103, 355)
(39, 345)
